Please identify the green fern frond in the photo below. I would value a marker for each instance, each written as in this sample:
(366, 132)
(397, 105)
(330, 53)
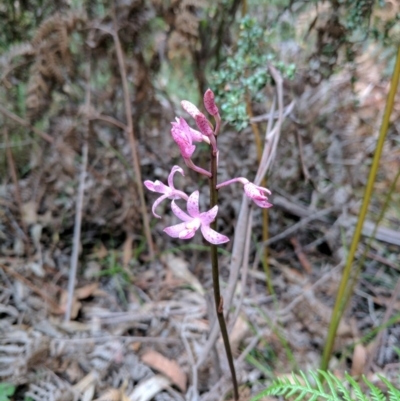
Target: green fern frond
(356, 388)
(327, 387)
(394, 393)
(376, 393)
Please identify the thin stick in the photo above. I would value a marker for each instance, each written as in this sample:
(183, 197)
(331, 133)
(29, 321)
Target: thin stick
(78, 210)
(24, 123)
(109, 120)
(132, 140)
(219, 304)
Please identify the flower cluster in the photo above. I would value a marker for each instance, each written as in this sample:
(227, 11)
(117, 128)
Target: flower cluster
(185, 136)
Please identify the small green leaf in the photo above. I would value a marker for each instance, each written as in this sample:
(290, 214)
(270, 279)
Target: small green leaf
(6, 391)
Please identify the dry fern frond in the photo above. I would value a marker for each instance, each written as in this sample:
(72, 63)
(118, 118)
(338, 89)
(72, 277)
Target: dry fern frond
(183, 18)
(20, 352)
(187, 23)
(51, 388)
(52, 60)
(19, 50)
(7, 63)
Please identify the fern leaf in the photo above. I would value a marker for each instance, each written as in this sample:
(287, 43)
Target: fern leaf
(394, 393)
(329, 380)
(340, 386)
(376, 393)
(299, 386)
(357, 389)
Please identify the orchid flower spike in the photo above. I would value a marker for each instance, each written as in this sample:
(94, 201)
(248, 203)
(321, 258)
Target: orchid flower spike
(195, 220)
(254, 192)
(167, 191)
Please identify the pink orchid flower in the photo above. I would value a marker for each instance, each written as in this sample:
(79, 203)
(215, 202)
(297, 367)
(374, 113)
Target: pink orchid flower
(167, 191)
(195, 220)
(257, 194)
(184, 136)
(254, 192)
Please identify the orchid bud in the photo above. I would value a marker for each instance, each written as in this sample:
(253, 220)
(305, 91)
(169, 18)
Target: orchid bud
(204, 125)
(201, 120)
(190, 108)
(209, 102)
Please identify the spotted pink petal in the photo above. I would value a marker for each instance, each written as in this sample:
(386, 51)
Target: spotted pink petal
(174, 231)
(184, 141)
(156, 203)
(193, 204)
(182, 125)
(157, 186)
(212, 236)
(208, 217)
(262, 203)
(209, 102)
(197, 136)
(187, 234)
(149, 185)
(174, 170)
(178, 212)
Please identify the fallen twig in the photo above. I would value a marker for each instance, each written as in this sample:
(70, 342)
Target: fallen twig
(131, 138)
(78, 210)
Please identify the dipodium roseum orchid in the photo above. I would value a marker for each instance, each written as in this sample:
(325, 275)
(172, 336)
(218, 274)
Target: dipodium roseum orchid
(194, 221)
(184, 136)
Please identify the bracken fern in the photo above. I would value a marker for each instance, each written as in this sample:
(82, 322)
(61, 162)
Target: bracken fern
(327, 387)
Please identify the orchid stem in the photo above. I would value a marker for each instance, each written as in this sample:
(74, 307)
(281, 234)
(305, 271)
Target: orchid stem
(215, 275)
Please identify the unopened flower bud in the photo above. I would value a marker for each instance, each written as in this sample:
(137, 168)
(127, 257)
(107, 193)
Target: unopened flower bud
(190, 108)
(202, 122)
(204, 125)
(209, 102)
